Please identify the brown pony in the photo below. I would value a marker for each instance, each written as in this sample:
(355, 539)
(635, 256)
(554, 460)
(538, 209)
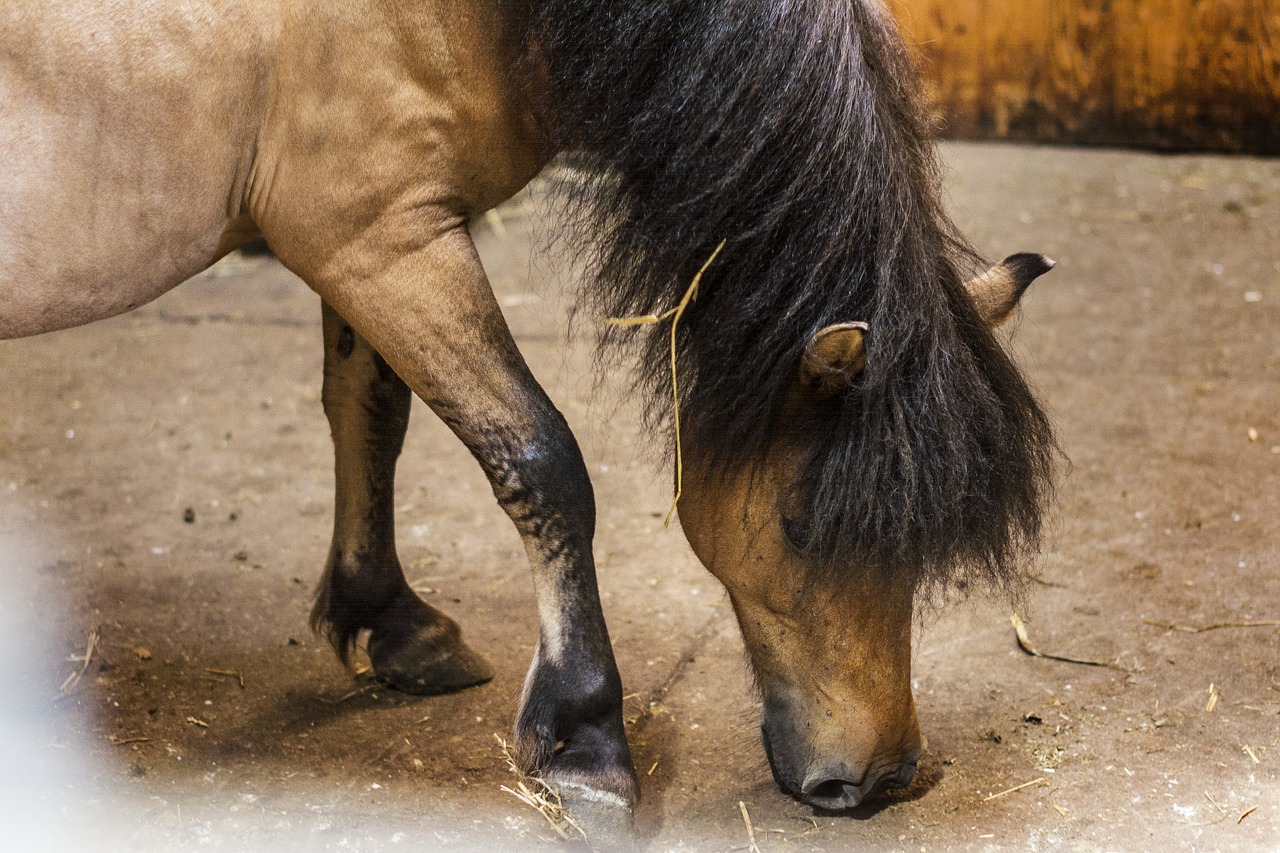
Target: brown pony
(854, 434)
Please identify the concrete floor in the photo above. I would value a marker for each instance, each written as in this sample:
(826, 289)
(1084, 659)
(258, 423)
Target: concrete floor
(1156, 344)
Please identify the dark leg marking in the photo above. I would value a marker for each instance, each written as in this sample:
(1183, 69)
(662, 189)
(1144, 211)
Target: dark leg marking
(346, 342)
(569, 727)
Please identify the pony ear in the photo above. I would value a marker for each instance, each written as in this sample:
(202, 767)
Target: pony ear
(838, 353)
(833, 358)
(996, 292)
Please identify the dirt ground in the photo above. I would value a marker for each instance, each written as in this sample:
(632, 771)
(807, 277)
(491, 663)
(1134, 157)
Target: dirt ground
(165, 481)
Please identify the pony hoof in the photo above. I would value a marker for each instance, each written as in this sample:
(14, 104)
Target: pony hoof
(427, 661)
(605, 818)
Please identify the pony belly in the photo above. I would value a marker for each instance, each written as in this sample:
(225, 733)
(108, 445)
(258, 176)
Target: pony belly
(112, 193)
(77, 244)
(32, 306)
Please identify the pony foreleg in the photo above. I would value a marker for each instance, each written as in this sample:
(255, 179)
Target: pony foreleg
(432, 315)
(412, 646)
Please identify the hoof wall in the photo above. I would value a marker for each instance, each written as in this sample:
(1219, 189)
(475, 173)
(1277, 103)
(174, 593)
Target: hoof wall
(427, 670)
(605, 818)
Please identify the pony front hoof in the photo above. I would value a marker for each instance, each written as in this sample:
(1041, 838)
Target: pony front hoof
(605, 818)
(600, 797)
(427, 662)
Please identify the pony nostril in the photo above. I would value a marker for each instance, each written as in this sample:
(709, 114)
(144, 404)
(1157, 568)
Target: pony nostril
(832, 790)
(839, 788)
(834, 795)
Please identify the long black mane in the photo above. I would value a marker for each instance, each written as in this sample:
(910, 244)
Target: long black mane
(795, 130)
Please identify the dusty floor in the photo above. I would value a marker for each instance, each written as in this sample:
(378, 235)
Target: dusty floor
(165, 479)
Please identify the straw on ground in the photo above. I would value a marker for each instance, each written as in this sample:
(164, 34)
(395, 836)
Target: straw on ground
(540, 797)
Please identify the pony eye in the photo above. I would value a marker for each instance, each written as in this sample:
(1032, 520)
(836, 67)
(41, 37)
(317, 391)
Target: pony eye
(797, 533)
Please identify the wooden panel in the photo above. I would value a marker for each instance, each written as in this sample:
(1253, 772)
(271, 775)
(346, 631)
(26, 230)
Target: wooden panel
(1177, 74)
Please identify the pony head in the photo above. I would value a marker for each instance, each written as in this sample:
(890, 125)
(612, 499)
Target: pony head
(831, 651)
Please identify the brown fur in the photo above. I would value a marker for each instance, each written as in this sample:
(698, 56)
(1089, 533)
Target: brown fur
(358, 137)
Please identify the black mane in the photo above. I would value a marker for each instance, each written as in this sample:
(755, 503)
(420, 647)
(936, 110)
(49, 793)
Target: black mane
(795, 130)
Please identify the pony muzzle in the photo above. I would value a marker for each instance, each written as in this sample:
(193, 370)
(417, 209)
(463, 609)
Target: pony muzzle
(836, 764)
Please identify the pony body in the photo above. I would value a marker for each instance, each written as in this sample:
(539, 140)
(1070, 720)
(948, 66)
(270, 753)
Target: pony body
(854, 430)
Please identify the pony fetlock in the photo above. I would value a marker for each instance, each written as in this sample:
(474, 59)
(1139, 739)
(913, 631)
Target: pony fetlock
(570, 734)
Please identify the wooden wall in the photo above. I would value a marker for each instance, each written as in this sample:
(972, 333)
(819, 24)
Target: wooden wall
(1172, 74)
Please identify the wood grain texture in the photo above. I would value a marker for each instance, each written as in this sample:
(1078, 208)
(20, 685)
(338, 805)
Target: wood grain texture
(1171, 74)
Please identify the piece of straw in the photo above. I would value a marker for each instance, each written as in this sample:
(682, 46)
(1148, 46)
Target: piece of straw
(227, 673)
(751, 830)
(1014, 789)
(1024, 643)
(541, 797)
(674, 315)
(1216, 626)
(73, 679)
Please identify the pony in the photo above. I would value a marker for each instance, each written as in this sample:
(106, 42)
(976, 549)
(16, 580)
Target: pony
(854, 437)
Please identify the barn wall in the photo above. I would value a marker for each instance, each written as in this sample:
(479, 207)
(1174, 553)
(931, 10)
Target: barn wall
(1174, 74)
